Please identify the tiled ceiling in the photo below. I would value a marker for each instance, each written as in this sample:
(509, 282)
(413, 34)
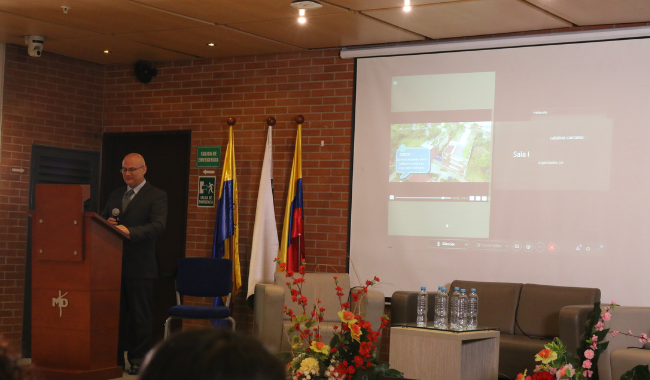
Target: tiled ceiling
(159, 30)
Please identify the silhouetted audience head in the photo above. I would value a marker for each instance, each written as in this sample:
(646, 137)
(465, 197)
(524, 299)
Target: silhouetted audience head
(9, 368)
(211, 354)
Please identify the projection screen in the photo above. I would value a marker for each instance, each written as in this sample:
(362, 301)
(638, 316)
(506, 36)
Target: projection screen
(518, 164)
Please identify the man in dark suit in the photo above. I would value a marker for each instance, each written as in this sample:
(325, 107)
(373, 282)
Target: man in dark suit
(142, 216)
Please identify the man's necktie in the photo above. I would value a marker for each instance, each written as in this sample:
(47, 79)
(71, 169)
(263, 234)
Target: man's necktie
(126, 199)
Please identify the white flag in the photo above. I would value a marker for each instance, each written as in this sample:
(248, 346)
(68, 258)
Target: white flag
(265, 233)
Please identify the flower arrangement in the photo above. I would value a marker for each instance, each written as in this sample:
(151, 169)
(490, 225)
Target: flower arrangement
(556, 363)
(352, 352)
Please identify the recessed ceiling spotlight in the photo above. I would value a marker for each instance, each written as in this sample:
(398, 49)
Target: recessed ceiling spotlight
(303, 5)
(107, 51)
(211, 44)
(407, 5)
(306, 4)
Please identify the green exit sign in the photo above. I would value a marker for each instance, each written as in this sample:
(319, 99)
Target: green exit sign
(208, 156)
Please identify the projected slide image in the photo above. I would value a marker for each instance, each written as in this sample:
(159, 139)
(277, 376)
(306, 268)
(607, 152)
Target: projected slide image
(557, 150)
(441, 152)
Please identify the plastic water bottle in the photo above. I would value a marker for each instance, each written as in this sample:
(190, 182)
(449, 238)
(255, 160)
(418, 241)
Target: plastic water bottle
(422, 307)
(453, 307)
(462, 311)
(441, 305)
(472, 310)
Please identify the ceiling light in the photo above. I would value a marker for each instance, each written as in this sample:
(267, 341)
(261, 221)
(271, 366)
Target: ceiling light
(211, 44)
(302, 5)
(306, 4)
(407, 5)
(107, 51)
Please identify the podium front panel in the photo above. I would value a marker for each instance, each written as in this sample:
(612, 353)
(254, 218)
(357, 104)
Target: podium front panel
(57, 223)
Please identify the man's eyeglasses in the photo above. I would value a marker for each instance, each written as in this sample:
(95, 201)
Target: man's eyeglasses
(130, 170)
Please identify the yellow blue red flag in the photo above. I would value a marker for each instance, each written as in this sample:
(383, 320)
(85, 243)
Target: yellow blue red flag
(225, 243)
(292, 244)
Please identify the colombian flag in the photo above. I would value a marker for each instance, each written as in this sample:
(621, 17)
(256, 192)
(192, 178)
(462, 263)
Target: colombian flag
(226, 232)
(292, 246)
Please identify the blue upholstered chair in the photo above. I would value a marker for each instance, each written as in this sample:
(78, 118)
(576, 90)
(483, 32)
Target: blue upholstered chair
(202, 277)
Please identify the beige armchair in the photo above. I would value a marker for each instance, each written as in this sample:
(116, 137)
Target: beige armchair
(270, 323)
(623, 352)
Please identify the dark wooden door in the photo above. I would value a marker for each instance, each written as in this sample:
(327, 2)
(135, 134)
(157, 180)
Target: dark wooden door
(167, 155)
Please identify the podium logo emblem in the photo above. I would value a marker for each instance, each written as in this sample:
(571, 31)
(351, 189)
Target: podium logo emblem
(61, 302)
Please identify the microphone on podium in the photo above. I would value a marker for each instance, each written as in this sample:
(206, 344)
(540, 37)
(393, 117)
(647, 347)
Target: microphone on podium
(116, 213)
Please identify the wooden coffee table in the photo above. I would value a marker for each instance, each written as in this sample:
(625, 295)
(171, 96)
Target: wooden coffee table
(426, 353)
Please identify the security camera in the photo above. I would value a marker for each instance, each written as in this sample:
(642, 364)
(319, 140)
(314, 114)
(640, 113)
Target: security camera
(34, 45)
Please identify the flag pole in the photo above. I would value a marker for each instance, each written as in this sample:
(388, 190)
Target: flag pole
(299, 120)
(231, 122)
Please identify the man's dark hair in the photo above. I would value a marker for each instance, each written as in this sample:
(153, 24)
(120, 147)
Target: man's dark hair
(212, 354)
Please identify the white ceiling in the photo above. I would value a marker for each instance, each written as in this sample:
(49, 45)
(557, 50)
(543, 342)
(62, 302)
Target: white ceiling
(160, 30)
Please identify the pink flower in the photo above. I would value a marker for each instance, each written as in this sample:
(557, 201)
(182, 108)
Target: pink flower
(552, 370)
(630, 332)
(586, 364)
(589, 354)
(594, 346)
(607, 317)
(614, 333)
(588, 373)
(594, 338)
(600, 326)
(643, 338)
(565, 370)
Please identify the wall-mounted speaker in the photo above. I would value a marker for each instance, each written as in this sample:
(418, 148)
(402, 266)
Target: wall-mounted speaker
(145, 71)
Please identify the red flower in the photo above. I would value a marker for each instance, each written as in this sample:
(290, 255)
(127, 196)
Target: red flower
(376, 278)
(358, 361)
(543, 376)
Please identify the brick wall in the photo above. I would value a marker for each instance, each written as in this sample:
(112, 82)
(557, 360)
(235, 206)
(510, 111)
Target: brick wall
(201, 94)
(55, 101)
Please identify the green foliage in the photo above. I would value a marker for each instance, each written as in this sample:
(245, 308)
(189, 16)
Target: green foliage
(376, 371)
(639, 372)
(590, 330)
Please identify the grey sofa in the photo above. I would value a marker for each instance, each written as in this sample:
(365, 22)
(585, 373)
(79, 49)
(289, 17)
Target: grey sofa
(527, 315)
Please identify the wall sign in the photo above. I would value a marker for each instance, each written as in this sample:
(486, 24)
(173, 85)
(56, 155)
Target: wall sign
(207, 187)
(208, 156)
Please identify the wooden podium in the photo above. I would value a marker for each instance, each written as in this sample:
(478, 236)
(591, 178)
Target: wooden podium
(76, 277)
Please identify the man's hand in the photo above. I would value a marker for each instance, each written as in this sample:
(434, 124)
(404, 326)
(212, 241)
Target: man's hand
(112, 221)
(123, 229)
